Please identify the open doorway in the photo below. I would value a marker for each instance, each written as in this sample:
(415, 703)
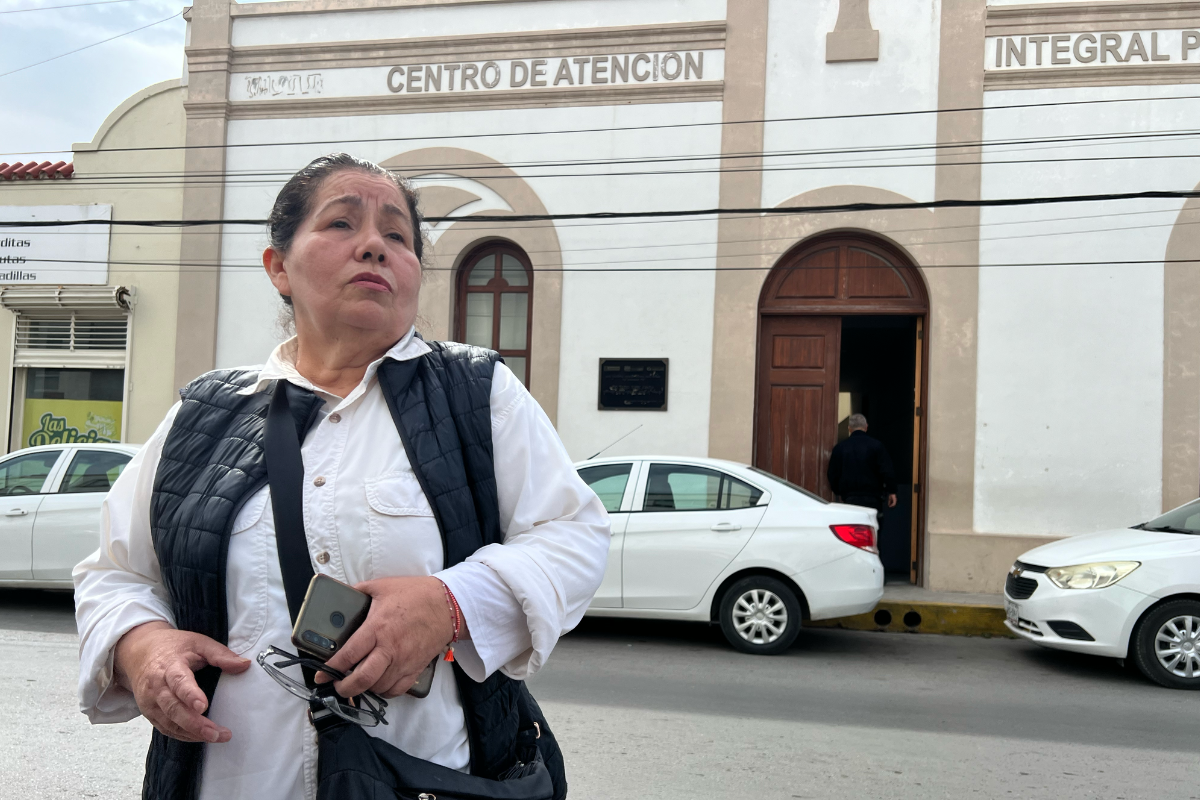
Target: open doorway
(841, 329)
(878, 379)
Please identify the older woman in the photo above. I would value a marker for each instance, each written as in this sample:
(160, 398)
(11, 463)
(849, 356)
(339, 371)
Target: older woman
(187, 582)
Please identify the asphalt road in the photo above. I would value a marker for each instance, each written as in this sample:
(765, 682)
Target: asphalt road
(649, 710)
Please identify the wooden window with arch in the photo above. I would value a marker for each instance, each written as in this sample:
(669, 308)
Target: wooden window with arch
(495, 303)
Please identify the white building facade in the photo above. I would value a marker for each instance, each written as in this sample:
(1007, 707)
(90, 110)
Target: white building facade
(88, 311)
(1034, 370)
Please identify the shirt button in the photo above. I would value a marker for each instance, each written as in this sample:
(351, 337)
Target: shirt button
(335, 417)
(318, 481)
(322, 557)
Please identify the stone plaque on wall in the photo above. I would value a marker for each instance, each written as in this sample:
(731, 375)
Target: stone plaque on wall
(633, 384)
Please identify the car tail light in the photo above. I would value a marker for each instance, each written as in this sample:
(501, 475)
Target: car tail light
(856, 535)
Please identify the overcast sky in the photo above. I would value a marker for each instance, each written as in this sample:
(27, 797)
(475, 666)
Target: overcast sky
(51, 106)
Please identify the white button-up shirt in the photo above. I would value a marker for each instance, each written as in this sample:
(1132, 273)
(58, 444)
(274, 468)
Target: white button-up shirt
(365, 517)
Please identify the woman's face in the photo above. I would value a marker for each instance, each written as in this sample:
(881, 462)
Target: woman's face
(351, 267)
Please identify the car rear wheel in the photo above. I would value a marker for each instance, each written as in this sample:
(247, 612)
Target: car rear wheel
(760, 615)
(1166, 646)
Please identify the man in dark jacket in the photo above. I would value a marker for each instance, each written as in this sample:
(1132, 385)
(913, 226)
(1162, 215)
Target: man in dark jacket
(860, 471)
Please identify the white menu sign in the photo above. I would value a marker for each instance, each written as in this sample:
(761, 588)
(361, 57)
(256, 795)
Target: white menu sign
(54, 254)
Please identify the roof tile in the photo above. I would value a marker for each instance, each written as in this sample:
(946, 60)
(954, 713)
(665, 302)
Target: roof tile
(32, 170)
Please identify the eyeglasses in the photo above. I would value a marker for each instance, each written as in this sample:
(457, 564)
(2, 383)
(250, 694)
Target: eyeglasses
(366, 709)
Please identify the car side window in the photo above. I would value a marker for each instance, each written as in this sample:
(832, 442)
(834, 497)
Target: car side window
(26, 474)
(735, 494)
(608, 481)
(679, 487)
(93, 471)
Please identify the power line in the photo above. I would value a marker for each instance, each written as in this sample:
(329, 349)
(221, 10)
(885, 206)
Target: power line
(202, 267)
(627, 128)
(1065, 141)
(588, 226)
(214, 181)
(54, 8)
(607, 264)
(245, 179)
(255, 265)
(642, 247)
(604, 215)
(85, 47)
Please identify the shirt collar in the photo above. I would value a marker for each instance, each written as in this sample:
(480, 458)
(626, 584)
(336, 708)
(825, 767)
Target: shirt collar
(282, 366)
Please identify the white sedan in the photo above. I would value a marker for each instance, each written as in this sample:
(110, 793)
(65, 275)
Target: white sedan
(1132, 593)
(716, 541)
(50, 500)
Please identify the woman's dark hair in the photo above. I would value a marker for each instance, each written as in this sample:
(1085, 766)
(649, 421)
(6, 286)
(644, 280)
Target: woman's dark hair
(294, 201)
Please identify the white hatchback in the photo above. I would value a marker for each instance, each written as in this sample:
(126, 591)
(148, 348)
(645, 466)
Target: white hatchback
(716, 541)
(50, 499)
(1129, 593)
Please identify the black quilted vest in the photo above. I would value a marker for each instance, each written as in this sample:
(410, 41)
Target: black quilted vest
(212, 463)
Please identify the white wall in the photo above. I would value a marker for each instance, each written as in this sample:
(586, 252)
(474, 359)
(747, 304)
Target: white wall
(1070, 371)
(405, 23)
(801, 84)
(629, 314)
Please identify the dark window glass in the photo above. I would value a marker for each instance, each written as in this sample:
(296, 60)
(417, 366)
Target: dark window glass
(494, 304)
(26, 474)
(608, 482)
(1185, 519)
(676, 487)
(735, 494)
(94, 471)
(75, 384)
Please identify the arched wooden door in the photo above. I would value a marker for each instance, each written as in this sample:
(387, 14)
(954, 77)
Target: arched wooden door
(804, 302)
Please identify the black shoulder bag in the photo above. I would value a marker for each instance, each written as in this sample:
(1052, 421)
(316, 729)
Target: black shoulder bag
(351, 764)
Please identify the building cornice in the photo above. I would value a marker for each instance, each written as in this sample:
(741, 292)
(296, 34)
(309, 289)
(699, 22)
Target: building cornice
(1064, 78)
(693, 92)
(327, 6)
(1025, 20)
(208, 59)
(581, 41)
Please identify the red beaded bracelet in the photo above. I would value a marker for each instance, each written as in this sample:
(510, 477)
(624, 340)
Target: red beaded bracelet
(455, 611)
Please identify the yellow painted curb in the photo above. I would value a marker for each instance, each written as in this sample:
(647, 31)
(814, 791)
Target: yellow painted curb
(952, 619)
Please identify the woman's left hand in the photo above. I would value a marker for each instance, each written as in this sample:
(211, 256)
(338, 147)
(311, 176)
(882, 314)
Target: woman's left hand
(409, 624)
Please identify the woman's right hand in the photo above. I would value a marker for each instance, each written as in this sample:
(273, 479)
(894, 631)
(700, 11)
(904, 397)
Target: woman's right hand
(158, 664)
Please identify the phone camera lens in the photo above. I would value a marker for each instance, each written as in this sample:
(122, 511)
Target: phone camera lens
(336, 619)
(314, 638)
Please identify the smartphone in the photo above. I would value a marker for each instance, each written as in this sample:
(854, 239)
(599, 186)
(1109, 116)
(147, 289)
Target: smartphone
(329, 616)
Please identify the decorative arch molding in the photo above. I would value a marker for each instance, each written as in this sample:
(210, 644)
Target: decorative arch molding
(930, 239)
(1181, 360)
(455, 241)
(120, 111)
(847, 271)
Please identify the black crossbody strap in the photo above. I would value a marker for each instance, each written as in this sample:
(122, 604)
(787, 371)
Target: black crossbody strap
(285, 473)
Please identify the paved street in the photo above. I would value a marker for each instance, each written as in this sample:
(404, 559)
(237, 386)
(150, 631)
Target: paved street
(666, 711)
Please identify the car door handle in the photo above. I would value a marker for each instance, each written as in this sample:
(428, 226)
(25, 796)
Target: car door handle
(726, 526)
(16, 512)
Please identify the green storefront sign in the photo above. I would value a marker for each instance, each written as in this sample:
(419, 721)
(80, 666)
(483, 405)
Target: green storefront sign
(66, 421)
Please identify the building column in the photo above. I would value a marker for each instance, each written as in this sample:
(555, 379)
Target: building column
(954, 298)
(208, 58)
(1181, 361)
(735, 321)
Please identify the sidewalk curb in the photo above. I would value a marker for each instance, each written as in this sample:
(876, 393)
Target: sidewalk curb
(950, 619)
